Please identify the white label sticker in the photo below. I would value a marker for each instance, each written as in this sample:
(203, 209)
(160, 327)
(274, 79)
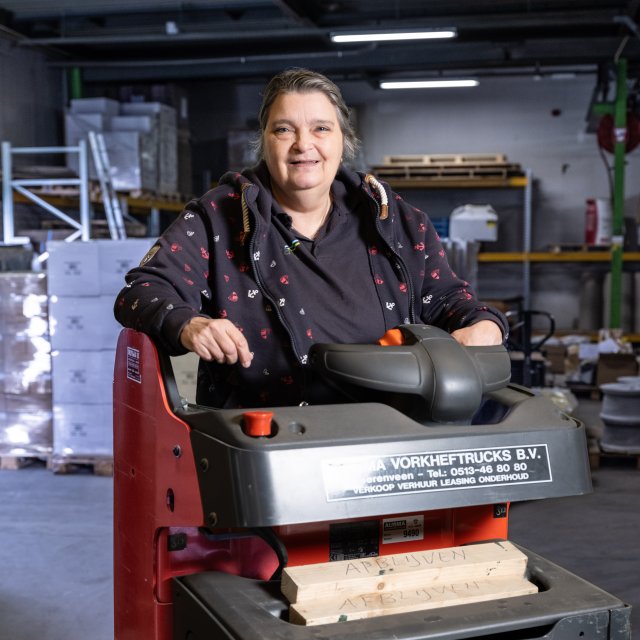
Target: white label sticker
(393, 474)
(133, 365)
(403, 529)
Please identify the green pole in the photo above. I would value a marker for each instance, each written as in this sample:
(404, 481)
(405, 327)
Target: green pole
(75, 83)
(617, 236)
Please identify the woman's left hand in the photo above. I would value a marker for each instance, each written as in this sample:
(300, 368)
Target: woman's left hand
(481, 334)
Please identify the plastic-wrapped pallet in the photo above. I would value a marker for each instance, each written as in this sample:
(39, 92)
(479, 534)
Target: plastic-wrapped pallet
(25, 359)
(77, 127)
(133, 157)
(84, 115)
(167, 140)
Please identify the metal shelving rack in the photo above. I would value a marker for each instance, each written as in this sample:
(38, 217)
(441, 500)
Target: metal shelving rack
(524, 182)
(11, 184)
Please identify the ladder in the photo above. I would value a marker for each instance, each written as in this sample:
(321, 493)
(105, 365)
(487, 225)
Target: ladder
(113, 212)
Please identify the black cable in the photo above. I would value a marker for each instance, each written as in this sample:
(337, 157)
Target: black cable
(269, 536)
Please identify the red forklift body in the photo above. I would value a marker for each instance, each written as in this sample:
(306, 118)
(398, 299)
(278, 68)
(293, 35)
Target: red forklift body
(205, 509)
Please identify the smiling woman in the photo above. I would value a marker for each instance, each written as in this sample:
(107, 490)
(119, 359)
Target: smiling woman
(297, 250)
(303, 146)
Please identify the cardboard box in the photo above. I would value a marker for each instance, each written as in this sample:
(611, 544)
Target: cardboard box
(105, 106)
(142, 123)
(82, 376)
(83, 430)
(555, 354)
(116, 258)
(111, 328)
(82, 324)
(613, 365)
(185, 372)
(72, 268)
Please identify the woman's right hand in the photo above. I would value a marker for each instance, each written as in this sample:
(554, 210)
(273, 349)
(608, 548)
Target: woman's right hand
(218, 340)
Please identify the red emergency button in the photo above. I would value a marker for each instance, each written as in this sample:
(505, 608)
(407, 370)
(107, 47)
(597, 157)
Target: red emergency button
(257, 423)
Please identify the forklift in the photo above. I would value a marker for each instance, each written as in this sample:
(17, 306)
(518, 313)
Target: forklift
(212, 505)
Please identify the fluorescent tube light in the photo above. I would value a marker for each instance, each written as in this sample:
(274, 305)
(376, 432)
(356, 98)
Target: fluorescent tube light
(430, 34)
(426, 84)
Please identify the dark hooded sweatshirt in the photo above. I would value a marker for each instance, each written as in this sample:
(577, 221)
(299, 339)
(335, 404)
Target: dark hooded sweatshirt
(376, 264)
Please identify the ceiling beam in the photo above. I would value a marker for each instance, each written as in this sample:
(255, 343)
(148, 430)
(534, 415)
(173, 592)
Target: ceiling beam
(295, 10)
(369, 61)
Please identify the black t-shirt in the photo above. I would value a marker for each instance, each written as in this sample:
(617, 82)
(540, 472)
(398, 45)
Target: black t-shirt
(335, 265)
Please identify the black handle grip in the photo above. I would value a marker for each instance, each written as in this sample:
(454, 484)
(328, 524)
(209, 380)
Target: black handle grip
(449, 379)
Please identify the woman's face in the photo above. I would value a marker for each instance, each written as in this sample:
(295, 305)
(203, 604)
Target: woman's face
(302, 143)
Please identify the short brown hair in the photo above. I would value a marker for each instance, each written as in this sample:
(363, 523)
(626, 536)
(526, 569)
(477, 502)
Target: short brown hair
(305, 81)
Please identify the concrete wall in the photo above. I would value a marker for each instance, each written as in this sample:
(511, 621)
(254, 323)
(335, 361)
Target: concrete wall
(32, 102)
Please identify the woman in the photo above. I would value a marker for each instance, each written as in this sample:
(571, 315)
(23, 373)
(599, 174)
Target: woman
(297, 250)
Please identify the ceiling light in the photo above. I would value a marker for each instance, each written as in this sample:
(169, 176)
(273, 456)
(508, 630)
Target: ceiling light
(386, 36)
(426, 84)
(171, 28)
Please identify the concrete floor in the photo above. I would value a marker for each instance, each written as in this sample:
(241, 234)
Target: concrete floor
(56, 547)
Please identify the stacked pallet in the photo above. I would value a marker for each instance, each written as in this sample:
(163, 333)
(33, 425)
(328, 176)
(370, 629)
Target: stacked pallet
(83, 281)
(447, 167)
(25, 369)
(369, 587)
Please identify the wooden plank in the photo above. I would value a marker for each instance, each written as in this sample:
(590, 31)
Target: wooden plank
(99, 465)
(419, 598)
(402, 571)
(447, 158)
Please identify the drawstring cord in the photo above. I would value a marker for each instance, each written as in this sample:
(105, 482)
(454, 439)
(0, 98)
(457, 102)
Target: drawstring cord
(246, 224)
(384, 200)
(384, 205)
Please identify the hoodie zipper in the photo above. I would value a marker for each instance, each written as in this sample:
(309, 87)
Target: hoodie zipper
(263, 288)
(399, 262)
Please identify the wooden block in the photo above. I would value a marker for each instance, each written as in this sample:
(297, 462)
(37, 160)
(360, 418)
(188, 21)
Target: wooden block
(402, 571)
(14, 462)
(431, 596)
(99, 465)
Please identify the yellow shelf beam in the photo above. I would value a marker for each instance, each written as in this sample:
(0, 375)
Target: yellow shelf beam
(564, 256)
(457, 183)
(142, 204)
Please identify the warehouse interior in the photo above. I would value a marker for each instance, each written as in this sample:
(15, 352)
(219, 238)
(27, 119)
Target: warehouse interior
(115, 114)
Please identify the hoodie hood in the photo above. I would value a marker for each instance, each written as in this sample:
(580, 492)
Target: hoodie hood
(255, 185)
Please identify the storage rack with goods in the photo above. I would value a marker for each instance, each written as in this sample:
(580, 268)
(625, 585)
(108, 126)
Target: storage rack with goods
(519, 180)
(467, 172)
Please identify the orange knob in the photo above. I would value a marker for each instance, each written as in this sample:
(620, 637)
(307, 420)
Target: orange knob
(257, 423)
(393, 338)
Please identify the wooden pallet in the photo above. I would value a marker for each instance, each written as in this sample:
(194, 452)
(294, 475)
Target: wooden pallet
(447, 158)
(13, 463)
(97, 465)
(573, 247)
(447, 172)
(597, 456)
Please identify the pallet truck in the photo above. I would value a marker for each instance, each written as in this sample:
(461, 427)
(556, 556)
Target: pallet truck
(210, 505)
